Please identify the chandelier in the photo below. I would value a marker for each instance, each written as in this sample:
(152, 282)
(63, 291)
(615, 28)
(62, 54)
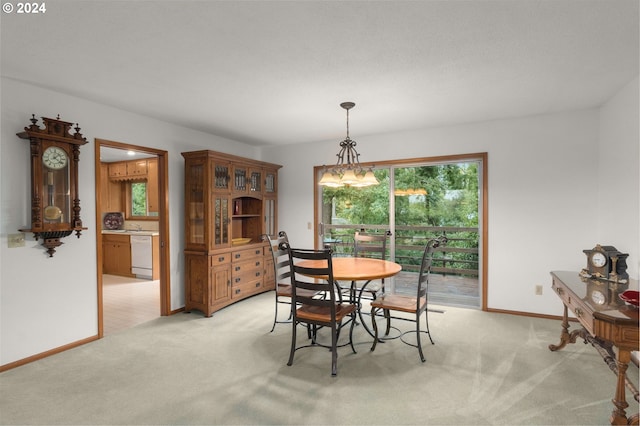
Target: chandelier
(348, 170)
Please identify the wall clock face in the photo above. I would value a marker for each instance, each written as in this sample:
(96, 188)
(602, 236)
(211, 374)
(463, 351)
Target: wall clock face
(54, 158)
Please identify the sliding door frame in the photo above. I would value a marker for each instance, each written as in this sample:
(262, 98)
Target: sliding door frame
(481, 157)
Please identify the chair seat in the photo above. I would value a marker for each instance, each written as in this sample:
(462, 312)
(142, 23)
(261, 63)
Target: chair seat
(396, 302)
(285, 290)
(323, 313)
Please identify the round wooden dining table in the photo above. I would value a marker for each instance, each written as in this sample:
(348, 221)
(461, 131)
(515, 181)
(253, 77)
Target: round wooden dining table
(357, 268)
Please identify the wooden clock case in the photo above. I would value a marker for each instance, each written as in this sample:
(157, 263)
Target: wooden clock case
(56, 133)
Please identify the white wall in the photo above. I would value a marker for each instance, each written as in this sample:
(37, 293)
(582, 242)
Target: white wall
(542, 174)
(618, 192)
(50, 302)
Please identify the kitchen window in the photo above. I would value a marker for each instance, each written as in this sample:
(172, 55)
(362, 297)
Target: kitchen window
(138, 201)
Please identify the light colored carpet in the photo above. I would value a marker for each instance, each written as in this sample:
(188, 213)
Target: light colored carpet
(485, 369)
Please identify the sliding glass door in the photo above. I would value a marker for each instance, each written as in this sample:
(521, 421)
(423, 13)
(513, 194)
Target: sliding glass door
(346, 210)
(416, 201)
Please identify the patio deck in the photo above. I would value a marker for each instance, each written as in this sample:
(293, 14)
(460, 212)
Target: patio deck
(448, 290)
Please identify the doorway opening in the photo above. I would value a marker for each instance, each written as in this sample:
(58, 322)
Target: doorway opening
(132, 244)
(416, 200)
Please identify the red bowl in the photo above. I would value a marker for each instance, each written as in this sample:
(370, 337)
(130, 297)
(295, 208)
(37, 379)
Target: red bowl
(631, 296)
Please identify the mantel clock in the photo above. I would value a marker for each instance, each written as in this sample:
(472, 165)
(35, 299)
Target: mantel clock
(55, 206)
(606, 262)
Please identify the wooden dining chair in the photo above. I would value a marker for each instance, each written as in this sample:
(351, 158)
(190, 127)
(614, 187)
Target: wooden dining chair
(416, 305)
(327, 312)
(372, 246)
(282, 274)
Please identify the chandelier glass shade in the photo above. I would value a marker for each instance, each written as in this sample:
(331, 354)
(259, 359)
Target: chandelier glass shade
(347, 170)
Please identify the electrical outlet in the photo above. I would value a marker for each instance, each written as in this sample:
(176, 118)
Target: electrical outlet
(15, 240)
(538, 290)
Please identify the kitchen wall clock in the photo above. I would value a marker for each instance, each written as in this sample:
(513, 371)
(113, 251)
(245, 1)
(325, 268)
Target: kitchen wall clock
(55, 205)
(606, 262)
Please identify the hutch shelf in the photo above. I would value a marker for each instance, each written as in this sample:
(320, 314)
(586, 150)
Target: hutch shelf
(230, 202)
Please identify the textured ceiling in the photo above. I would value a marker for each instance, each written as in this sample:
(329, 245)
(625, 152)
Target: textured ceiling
(275, 72)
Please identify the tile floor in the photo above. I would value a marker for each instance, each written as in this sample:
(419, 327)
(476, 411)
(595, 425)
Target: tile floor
(128, 302)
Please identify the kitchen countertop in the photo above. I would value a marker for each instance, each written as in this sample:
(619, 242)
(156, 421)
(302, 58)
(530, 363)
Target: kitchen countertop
(130, 232)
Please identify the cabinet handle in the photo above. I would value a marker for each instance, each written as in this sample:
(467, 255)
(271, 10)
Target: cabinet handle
(559, 291)
(237, 280)
(257, 285)
(258, 274)
(578, 312)
(258, 251)
(237, 291)
(221, 259)
(237, 255)
(228, 283)
(258, 264)
(237, 268)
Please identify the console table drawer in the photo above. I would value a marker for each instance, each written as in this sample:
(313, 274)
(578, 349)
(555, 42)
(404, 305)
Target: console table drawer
(575, 305)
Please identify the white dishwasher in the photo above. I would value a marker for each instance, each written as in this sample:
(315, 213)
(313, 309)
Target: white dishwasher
(141, 256)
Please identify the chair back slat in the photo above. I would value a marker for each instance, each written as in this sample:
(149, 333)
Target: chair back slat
(282, 271)
(319, 279)
(370, 245)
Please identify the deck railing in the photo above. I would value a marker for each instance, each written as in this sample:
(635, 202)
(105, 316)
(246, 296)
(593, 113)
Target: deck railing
(458, 257)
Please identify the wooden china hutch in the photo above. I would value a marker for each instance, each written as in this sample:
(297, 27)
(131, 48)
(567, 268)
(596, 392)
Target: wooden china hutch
(230, 202)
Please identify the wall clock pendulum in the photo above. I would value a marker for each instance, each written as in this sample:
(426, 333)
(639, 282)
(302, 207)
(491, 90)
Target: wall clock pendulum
(55, 205)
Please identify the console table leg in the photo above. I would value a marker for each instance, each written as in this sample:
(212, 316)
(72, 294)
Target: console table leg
(565, 336)
(618, 415)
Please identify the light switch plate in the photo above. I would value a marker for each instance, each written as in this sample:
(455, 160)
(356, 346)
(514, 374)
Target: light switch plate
(15, 240)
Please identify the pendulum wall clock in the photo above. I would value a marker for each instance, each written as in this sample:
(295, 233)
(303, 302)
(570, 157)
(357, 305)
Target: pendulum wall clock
(55, 205)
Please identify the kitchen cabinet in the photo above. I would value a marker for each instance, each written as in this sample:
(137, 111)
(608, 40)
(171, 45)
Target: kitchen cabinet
(152, 187)
(137, 168)
(115, 177)
(117, 170)
(116, 255)
(228, 200)
(111, 191)
(129, 170)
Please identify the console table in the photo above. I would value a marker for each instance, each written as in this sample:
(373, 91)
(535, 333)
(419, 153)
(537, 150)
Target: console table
(607, 322)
